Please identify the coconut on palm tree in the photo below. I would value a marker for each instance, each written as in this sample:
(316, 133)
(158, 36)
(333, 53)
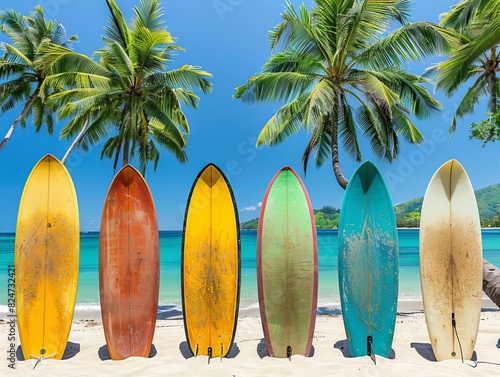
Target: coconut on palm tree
(129, 93)
(24, 67)
(338, 72)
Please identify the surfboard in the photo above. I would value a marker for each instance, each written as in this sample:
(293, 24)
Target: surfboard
(287, 266)
(368, 263)
(129, 266)
(210, 270)
(451, 262)
(46, 260)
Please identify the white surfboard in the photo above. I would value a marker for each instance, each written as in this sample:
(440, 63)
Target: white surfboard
(451, 262)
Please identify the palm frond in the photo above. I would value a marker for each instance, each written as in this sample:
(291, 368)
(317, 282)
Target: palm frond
(187, 97)
(282, 86)
(169, 126)
(469, 101)
(404, 126)
(286, 121)
(187, 77)
(291, 61)
(117, 31)
(14, 54)
(292, 29)
(148, 14)
(146, 49)
(319, 144)
(120, 60)
(377, 127)
(411, 42)
(14, 25)
(410, 91)
(347, 132)
(168, 140)
(453, 72)
(375, 87)
(466, 12)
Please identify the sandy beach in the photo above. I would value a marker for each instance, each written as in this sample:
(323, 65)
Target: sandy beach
(413, 356)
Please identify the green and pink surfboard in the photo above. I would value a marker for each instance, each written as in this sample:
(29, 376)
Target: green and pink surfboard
(287, 266)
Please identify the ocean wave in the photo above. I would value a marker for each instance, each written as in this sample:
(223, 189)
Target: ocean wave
(252, 306)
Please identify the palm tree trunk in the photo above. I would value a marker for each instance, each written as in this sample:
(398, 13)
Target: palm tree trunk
(491, 282)
(335, 154)
(492, 81)
(26, 110)
(76, 141)
(493, 103)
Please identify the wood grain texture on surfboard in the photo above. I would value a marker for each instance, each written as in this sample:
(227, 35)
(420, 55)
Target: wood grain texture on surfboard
(451, 262)
(210, 268)
(46, 260)
(129, 263)
(287, 266)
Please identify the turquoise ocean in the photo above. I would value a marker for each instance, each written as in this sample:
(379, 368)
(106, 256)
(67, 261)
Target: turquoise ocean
(170, 259)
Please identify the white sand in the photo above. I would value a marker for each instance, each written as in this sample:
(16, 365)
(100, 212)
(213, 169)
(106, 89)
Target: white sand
(413, 354)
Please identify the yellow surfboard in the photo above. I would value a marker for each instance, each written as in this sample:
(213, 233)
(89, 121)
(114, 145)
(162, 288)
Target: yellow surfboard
(46, 260)
(210, 265)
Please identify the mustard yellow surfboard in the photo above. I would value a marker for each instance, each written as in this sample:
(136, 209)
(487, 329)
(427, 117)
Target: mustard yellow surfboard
(210, 265)
(46, 260)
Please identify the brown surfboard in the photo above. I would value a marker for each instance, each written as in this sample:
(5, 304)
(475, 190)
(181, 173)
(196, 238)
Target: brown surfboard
(129, 266)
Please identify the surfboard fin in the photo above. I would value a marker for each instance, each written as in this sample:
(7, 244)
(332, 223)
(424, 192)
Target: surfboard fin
(196, 351)
(221, 351)
(289, 353)
(209, 354)
(371, 352)
(39, 359)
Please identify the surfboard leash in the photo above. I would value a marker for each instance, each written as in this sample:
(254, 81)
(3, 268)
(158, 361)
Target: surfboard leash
(475, 363)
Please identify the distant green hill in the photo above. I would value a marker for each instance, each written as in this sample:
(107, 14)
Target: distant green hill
(250, 225)
(408, 213)
(488, 202)
(326, 218)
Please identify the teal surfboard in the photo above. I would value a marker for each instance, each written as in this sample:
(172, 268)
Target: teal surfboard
(287, 266)
(368, 263)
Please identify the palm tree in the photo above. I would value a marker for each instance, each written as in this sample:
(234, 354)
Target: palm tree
(476, 61)
(130, 90)
(339, 78)
(24, 67)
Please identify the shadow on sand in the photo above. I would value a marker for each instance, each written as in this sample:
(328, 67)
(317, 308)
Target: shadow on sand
(104, 352)
(168, 312)
(425, 350)
(72, 349)
(187, 354)
(262, 350)
(343, 346)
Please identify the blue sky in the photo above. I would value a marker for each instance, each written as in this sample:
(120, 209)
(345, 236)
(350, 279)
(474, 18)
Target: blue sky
(229, 39)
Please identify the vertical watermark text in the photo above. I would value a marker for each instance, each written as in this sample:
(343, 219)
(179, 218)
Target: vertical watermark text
(11, 316)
